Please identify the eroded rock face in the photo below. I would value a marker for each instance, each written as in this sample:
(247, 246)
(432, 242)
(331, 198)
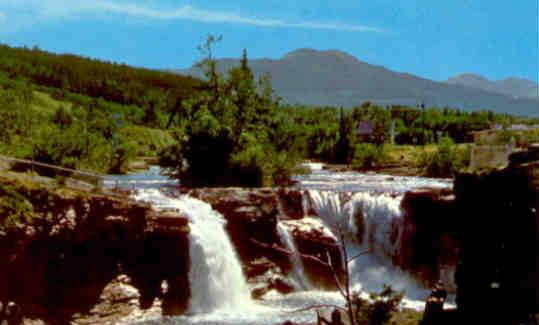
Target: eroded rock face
(66, 262)
(314, 242)
(429, 245)
(252, 216)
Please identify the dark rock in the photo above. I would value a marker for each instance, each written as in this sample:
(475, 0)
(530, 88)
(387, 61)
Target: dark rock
(429, 243)
(313, 240)
(281, 284)
(434, 307)
(259, 266)
(291, 202)
(61, 266)
(259, 291)
(497, 214)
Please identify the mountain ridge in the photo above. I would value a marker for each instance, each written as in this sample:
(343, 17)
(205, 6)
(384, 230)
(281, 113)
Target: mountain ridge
(335, 78)
(510, 86)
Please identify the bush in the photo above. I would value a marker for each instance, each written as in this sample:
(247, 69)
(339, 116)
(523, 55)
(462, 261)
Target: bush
(123, 153)
(378, 309)
(445, 161)
(368, 156)
(15, 209)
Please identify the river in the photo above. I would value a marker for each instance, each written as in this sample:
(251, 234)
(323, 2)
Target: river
(219, 292)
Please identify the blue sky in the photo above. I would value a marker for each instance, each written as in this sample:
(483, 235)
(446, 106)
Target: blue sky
(430, 38)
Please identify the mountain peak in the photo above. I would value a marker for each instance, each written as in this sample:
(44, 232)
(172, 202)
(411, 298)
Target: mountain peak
(308, 53)
(467, 77)
(300, 52)
(335, 78)
(514, 87)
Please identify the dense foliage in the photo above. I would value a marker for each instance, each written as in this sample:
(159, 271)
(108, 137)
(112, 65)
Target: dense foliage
(229, 129)
(234, 133)
(35, 126)
(15, 209)
(114, 82)
(446, 160)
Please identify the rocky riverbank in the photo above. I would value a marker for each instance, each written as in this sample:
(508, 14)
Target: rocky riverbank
(252, 216)
(89, 258)
(71, 256)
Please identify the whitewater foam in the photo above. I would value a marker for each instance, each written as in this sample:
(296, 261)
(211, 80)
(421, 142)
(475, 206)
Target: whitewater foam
(298, 269)
(215, 278)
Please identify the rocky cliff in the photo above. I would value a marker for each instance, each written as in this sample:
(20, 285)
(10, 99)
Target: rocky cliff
(89, 258)
(430, 244)
(252, 216)
(497, 214)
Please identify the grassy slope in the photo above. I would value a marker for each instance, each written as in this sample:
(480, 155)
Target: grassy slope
(147, 141)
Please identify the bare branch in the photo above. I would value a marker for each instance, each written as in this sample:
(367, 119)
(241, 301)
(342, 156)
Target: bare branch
(284, 251)
(316, 307)
(359, 255)
(335, 276)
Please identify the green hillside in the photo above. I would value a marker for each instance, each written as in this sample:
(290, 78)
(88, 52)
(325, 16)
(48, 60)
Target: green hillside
(231, 130)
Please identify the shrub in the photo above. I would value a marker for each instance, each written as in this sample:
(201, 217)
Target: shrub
(445, 161)
(378, 309)
(123, 153)
(367, 156)
(15, 209)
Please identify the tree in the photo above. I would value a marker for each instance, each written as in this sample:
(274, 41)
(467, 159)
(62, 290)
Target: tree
(343, 148)
(230, 133)
(62, 118)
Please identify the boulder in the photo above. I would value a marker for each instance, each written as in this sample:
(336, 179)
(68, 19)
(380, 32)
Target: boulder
(281, 284)
(314, 241)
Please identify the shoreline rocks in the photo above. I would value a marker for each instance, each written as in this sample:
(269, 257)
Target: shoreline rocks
(252, 216)
(430, 245)
(69, 262)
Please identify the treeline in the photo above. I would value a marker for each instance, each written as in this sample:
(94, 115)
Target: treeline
(76, 131)
(228, 130)
(331, 134)
(113, 82)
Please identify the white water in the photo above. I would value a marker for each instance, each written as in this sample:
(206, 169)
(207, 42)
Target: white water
(218, 286)
(297, 264)
(215, 278)
(380, 230)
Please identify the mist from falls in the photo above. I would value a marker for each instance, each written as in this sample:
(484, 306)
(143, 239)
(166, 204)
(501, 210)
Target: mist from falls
(216, 279)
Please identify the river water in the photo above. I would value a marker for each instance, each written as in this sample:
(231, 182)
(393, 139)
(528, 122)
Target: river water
(220, 294)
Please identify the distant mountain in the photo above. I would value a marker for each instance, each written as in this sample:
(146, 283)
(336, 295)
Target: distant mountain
(515, 87)
(335, 78)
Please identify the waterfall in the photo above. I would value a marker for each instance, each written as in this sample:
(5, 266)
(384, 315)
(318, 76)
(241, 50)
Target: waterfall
(216, 279)
(380, 221)
(297, 264)
(331, 207)
(373, 222)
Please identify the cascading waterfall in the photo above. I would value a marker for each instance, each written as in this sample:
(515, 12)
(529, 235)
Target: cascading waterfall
(362, 204)
(331, 207)
(369, 222)
(297, 264)
(216, 279)
(381, 221)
